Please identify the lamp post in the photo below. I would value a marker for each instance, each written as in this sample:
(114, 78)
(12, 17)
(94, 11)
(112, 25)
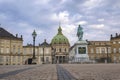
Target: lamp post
(34, 36)
(43, 54)
(107, 53)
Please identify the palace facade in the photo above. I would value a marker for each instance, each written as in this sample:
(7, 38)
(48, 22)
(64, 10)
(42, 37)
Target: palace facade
(11, 48)
(103, 50)
(12, 51)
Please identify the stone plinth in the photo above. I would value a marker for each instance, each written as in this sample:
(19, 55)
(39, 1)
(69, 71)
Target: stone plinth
(81, 51)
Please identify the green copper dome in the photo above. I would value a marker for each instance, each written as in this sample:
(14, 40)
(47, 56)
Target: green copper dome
(60, 38)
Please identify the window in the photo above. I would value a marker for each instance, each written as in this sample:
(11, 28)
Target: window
(114, 50)
(7, 50)
(92, 50)
(60, 50)
(14, 58)
(103, 50)
(47, 51)
(24, 51)
(119, 50)
(109, 50)
(119, 42)
(114, 57)
(2, 50)
(13, 49)
(41, 50)
(114, 42)
(19, 50)
(1, 59)
(47, 59)
(41, 59)
(18, 58)
(65, 49)
(97, 50)
(30, 51)
(35, 50)
(7, 58)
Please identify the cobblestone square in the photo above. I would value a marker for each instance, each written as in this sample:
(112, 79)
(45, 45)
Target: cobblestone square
(60, 72)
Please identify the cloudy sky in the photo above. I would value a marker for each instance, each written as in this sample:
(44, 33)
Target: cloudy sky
(99, 18)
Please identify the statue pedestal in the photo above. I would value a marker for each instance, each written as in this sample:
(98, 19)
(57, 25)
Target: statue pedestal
(81, 51)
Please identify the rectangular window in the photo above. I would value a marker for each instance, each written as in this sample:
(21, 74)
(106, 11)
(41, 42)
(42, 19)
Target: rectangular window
(114, 42)
(7, 59)
(7, 50)
(30, 51)
(102, 50)
(14, 49)
(92, 50)
(47, 51)
(14, 58)
(119, 50)
(114, 50)
(47, 59)
(97, 50)
(41, 50)
(41, 59)
(35, 50)
(18, 50)
(119, 42)
(18, 58)
(2, 50)
(109, 49)
(1, 59)
(24, 51)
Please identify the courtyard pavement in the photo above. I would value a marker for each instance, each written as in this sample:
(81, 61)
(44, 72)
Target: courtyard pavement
(60, 72)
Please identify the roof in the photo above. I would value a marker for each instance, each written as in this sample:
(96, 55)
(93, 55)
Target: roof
(44, 44)
(5, 34)
(59, 38)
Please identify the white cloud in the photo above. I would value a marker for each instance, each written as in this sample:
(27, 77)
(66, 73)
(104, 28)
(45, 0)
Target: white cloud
(90, 4)
(101, 20)
(69, 30)
(97, 26)
(82, 22)
(62, 17)
(41, 2)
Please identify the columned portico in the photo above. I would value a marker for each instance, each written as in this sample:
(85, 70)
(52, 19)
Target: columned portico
(61, 59)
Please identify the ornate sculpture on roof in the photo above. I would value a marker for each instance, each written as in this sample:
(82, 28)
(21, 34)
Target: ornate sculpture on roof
(80, 33)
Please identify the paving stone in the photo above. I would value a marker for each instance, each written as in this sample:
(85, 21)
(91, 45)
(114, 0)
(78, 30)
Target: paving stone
(60, 72)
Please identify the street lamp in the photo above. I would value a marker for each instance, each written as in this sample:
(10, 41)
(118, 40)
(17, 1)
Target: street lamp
(34, 36)
(107, 53)
(43, 54)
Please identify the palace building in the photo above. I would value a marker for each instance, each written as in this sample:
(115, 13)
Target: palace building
(42, 53)
(10, 48)
(12, 51)
(102, 51)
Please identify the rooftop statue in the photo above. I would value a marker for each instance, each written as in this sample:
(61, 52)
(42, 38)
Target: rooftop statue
(80, 33)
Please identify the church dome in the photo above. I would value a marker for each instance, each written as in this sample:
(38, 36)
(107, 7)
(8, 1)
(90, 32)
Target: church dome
(59, 38)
